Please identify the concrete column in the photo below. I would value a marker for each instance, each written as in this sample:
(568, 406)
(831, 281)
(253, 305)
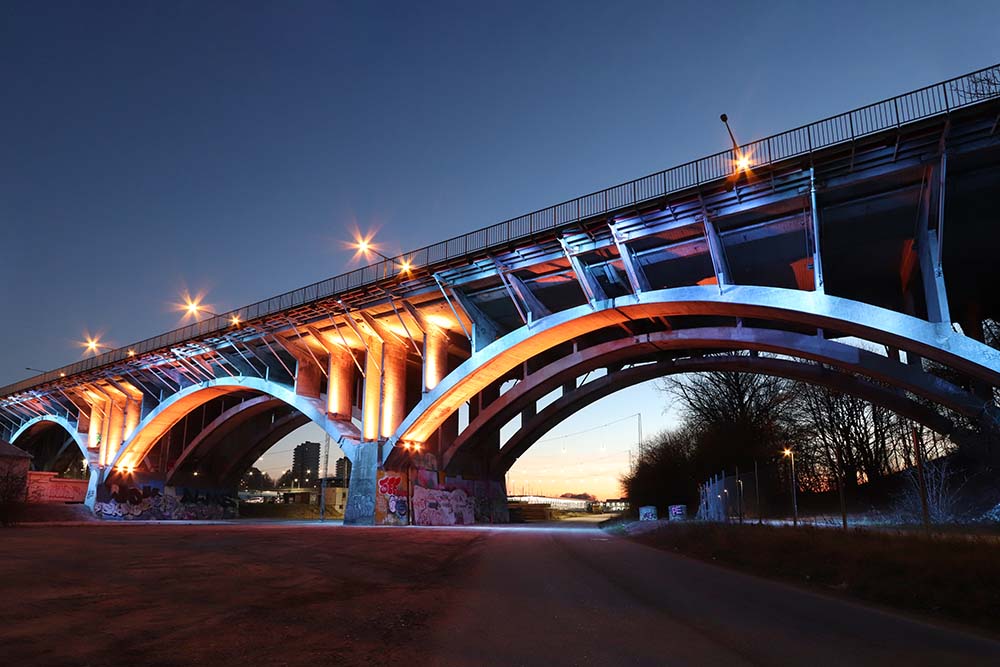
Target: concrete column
(371, 407)
(360, 510)
(435, 358)
(99, 406)
(393, 387)
(116, 428)
(95, 481)
(307, 378)
(340, 388)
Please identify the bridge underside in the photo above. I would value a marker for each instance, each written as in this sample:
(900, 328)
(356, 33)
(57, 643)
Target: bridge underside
(865, 266)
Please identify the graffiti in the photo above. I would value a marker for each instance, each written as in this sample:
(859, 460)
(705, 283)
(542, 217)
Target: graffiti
(124, 502)
(437, 507)
(389, 485)
(392, 507)
(457, 501)
(45, 487)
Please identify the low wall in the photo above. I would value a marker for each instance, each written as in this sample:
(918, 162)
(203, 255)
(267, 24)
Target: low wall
(45, 487)
(437, 501)
(147, 499)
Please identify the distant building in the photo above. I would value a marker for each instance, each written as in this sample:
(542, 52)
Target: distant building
(342, 473)
(616, 504)
(305, 463)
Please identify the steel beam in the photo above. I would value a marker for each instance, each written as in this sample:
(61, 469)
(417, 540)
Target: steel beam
(636, 276)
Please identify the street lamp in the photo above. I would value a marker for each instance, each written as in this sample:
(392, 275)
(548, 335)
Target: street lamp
(365, 247)
(795, 505)
(192, 308)
(741, 160)
(92, 344)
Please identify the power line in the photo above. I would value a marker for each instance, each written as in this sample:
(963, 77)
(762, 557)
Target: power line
(595, 428)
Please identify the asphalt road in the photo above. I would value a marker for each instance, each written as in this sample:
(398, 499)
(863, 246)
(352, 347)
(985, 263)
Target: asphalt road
(561, 597)
(298, 594)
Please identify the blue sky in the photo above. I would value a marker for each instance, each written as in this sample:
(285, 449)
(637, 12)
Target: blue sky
(228, 148)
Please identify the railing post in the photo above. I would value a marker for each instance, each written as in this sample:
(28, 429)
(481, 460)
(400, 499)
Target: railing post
(947, 106)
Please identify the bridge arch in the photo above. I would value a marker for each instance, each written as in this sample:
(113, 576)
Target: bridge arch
(848, 360)
(546, 419)
(787, 307)
(52, 421)
(173, 408)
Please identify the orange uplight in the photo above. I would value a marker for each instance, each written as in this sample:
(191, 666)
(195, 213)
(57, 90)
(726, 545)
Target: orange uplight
(131, 353)
(405, 266)
(235, 320)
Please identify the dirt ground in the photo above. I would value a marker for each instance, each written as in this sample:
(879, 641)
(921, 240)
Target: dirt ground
(220, 595)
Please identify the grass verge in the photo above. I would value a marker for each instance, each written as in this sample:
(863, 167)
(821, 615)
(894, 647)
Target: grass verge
(948, 577)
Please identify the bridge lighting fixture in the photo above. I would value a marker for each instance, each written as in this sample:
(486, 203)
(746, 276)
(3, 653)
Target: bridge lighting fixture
(235, 320)
(741, 161)
(92, 345)
(365, 248)
(193, 307)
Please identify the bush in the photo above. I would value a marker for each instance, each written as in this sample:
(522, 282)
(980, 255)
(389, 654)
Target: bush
(943, 490)
(13, 485)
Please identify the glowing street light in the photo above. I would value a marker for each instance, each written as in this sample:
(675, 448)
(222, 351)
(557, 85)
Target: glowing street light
(364, 247)
(795, 505)
(192, 307)
(91, 344)
(741, 161)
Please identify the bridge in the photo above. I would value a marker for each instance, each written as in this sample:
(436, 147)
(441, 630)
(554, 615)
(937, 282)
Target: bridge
(857, 252)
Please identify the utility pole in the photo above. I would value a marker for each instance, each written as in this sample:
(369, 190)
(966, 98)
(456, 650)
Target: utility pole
(756, 483)
(795, 502)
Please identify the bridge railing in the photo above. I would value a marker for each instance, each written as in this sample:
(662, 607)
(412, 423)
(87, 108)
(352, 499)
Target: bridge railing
(934, 100)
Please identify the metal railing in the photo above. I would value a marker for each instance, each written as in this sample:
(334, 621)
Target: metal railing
(934, 100)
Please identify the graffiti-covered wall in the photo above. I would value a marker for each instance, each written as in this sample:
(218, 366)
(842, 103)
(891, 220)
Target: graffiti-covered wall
(392, 503)
(151, 500)
(456, 501)
(45, 487)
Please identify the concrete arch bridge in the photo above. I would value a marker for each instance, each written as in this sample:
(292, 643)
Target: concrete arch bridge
(857, 253)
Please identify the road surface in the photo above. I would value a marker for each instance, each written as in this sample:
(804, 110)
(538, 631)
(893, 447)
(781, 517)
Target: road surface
(294, 594)
(580, 597)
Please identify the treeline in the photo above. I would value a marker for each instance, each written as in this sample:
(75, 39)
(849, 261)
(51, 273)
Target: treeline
(731, 420)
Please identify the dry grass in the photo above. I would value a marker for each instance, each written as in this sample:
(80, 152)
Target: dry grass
(949, 577)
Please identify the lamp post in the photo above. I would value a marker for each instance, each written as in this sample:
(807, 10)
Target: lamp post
(741, 161)
(365, 246)
(795, 505)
